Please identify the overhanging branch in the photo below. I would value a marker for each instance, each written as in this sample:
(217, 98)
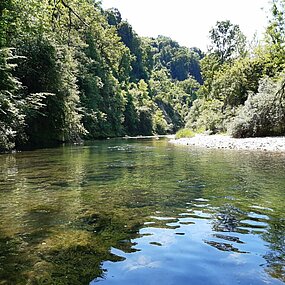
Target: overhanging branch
(74, 13)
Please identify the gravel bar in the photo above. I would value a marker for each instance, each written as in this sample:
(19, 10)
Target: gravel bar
(227, 142)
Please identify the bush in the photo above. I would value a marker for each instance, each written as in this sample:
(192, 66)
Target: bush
(184, 133)
(209, 115)
(263, 113)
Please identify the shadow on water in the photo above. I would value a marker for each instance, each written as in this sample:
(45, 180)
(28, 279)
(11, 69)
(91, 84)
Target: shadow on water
(141, 212)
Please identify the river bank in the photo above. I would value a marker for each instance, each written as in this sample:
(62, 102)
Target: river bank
(227, 142)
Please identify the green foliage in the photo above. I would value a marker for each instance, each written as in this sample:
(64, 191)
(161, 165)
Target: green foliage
(174, 98)
(131, 116)
(113, 16)
(51, 69)
(15, 106)
(180, 62)
(138, 62)
(276, 27)
(184, 133)
(135, 45)
(263, 113)
(144, 107)
(11, 108)
(227, 41)
(231, 75)
(210, 65)
(83, 72)
(232, 82)
(7, 22)
(101, 94)
(208, 115)
(226, 88)
(160, 125)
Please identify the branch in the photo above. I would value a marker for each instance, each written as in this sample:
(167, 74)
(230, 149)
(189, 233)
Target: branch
(73, 12)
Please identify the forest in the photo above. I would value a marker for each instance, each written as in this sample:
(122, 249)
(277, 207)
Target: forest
(72, 71)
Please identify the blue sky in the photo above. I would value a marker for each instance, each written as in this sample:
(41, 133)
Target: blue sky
(189, 21)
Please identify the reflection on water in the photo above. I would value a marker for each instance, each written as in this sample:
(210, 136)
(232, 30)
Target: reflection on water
(141, 212)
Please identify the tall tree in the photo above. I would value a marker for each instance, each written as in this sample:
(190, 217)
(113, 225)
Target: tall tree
(276, 27)
(227, 40)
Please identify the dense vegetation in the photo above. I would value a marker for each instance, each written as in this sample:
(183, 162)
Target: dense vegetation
(243, 91)
(70, 71)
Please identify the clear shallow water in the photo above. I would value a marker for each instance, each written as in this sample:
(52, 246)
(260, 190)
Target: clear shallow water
(141, 212)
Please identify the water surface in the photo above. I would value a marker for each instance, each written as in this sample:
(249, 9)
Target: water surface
(127, 212)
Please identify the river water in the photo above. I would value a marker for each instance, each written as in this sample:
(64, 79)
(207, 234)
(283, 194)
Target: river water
(125, 212)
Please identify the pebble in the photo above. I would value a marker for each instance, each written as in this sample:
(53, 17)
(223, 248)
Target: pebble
(227, 142)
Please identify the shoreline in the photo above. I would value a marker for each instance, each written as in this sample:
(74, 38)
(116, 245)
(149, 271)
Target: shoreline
(274, 144)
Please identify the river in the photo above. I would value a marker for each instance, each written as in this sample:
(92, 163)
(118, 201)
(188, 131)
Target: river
(130, 211)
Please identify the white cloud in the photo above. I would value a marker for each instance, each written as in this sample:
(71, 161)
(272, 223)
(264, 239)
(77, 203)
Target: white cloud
(140, 263)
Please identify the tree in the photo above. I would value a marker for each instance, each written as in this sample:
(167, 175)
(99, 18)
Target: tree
(50, 69)
(11, 108)
(114, 17)
(144, 107)
(181, 62)
(210, 65)
(276, 27)
(227, 41)
(274, 51)
(7, 22)
(135, 45)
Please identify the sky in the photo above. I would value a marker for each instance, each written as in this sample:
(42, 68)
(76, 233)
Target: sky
(189, 21)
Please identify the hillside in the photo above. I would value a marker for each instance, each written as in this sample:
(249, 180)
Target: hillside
(72, 71)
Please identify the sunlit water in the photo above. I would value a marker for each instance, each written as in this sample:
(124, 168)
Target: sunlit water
(142, 212)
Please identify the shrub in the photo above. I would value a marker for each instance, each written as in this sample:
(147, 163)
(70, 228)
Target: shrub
(209, 115)
(263, 113)
(184, 133)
